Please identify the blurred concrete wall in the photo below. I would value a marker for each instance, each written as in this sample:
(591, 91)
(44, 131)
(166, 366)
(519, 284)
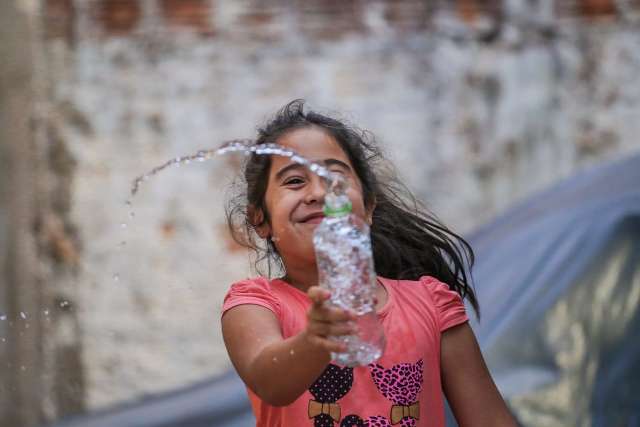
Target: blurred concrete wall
(40, 348)
(19, 336)
(478, 103)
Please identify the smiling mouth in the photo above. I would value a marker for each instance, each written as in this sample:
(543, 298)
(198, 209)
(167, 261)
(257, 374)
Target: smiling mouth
(313, 219)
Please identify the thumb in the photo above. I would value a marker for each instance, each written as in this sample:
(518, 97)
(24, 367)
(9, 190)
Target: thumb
(318, 295)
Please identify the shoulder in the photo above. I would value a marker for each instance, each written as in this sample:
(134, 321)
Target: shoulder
(255, 285)
(439, 291)
(426, 286)
(445, 302)
(257, 291)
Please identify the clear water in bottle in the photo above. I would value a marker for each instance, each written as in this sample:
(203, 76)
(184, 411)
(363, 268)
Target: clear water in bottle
(345, 267)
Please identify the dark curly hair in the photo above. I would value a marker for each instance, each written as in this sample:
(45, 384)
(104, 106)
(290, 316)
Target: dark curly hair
(408, 241)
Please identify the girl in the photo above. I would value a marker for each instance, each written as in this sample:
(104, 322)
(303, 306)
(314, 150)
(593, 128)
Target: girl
(279, 332)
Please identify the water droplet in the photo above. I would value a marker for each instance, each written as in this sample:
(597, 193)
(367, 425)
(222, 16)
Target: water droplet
(23, 315)
(116, 277)
(46, 312)
(123, 225)
(64, 304)
(243, 146)
(3, 317)
(298, 159)
(4, 340)
(275, 360)
(23, 368)
(292, 352)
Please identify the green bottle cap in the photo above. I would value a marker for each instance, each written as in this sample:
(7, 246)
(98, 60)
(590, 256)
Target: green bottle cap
(340, 210)
(336, 201)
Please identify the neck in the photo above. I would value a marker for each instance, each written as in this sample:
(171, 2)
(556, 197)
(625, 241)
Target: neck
(302, 279)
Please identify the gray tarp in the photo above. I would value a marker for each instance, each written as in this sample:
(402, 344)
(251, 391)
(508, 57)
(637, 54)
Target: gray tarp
(558, 278)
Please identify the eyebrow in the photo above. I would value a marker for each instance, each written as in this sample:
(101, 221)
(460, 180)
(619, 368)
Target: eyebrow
(326, 163)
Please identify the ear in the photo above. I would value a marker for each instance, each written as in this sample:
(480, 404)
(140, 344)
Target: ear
(258, 221)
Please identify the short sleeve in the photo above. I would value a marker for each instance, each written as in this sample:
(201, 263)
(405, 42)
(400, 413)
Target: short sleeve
(251, 291)
(449, 306)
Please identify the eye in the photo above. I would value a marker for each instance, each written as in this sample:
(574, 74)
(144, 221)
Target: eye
(293, 181)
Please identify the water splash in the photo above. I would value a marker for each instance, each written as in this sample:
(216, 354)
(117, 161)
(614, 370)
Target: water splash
(335, 182)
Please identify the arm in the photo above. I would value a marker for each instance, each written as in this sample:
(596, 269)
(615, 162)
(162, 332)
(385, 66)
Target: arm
(472, 394)
(279, 370)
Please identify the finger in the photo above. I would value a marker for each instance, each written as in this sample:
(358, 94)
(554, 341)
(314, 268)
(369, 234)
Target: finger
(328, 344)
(337, 314)
(326, 329)
(318, 295)
(341, 329)
(330, 314)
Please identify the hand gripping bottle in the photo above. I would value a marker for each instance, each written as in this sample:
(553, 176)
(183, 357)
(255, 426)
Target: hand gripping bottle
(345, 267)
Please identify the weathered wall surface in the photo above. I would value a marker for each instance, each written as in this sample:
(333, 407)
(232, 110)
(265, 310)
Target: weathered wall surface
(478, 107)
(40, 343)
(19, 335)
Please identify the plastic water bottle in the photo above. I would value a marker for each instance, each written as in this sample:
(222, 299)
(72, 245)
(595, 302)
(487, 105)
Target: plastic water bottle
(345, 267)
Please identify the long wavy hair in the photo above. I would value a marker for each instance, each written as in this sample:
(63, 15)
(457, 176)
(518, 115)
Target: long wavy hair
(408, 241)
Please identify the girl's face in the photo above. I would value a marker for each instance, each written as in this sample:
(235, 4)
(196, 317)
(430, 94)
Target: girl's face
(295, 196)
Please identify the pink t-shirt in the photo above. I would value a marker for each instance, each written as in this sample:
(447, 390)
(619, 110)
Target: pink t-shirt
(402, 388)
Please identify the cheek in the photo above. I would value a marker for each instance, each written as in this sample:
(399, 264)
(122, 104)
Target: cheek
(357, 199)
(358, 208)
(279, 210)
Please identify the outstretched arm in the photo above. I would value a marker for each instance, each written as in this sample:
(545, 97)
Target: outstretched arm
(279, 370)
(472, 394)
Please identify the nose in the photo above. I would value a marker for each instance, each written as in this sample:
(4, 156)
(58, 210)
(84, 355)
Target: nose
(315, 191)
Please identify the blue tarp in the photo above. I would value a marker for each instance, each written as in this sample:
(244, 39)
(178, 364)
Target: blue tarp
(220, 401)
(558, 279)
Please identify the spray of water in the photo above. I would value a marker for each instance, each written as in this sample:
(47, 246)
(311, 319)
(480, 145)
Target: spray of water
(335, 183)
